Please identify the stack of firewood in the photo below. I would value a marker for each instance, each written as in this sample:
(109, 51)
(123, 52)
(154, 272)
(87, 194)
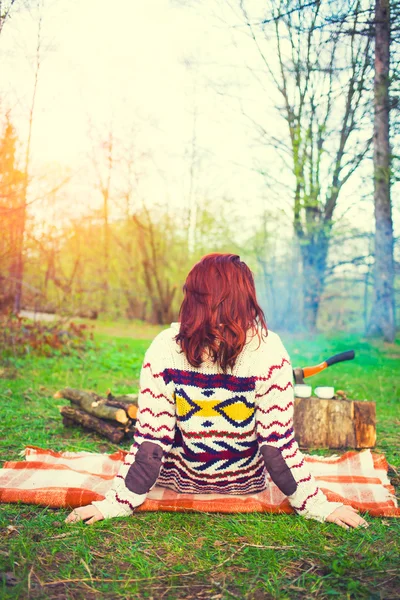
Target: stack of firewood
(111, 416)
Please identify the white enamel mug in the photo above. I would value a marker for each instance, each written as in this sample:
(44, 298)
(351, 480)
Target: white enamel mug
(324, 392)
(302, 390)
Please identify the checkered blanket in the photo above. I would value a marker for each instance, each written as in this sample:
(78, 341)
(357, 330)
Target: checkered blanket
(72, 479)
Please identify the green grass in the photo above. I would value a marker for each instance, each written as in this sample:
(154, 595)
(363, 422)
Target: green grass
(171, 556)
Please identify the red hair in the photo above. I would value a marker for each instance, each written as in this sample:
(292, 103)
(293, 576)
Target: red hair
(219, 308)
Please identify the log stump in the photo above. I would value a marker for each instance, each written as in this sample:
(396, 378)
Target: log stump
(334, 423)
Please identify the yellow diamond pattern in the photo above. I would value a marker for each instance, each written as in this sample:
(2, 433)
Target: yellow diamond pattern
(236, 412)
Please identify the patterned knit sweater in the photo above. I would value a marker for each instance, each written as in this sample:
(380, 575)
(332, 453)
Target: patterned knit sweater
(213, 428)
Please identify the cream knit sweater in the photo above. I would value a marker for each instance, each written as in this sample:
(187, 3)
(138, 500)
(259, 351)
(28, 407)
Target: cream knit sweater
(216, 429)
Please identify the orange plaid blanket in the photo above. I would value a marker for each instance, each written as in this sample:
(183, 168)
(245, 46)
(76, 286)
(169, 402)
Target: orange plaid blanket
(72, 479)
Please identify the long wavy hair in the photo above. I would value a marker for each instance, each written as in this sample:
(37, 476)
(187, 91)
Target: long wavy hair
(219, 308)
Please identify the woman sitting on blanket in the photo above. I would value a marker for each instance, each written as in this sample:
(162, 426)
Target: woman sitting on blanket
(216, 406)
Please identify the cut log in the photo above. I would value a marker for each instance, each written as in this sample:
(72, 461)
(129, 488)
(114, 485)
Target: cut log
(129, 398)
(76, 415)
(334, 423)
(68, 422)
(93, 404)
(130, 409)
(129, 402)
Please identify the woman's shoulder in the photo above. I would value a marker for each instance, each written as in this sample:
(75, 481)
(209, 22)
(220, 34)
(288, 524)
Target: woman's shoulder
(168, 335)
(164, 342)
(265, 340)
(267, 347)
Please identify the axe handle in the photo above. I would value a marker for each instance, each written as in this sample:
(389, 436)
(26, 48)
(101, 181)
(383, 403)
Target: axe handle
(308, 371)
(348, 355)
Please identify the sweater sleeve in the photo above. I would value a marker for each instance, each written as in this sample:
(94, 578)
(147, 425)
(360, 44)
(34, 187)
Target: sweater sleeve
(153, 439)
(282, 456)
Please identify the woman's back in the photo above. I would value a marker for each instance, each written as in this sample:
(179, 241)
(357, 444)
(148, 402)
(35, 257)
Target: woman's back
(210, 417)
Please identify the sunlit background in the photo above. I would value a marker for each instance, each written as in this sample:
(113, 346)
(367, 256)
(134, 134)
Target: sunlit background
(147, 134)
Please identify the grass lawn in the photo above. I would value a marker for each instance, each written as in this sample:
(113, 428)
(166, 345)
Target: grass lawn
(188, 556)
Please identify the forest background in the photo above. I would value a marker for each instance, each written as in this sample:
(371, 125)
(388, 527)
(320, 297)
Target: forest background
(136, 140)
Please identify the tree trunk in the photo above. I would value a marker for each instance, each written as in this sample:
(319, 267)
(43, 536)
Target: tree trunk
(314, 255)
(17, 271)
(19, 263)
(382, 320)
(20, 259)
(106, 250)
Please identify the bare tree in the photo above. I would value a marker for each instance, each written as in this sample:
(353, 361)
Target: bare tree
(103, 161)
(321, 72)
(11, 186)
(193, 161)
(383, 310)
(22, 210)
(154, 254)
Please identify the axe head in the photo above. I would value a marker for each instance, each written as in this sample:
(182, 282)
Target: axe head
(298, 375)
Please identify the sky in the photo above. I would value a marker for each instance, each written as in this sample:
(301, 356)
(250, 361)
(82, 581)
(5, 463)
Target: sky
(166, 77)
